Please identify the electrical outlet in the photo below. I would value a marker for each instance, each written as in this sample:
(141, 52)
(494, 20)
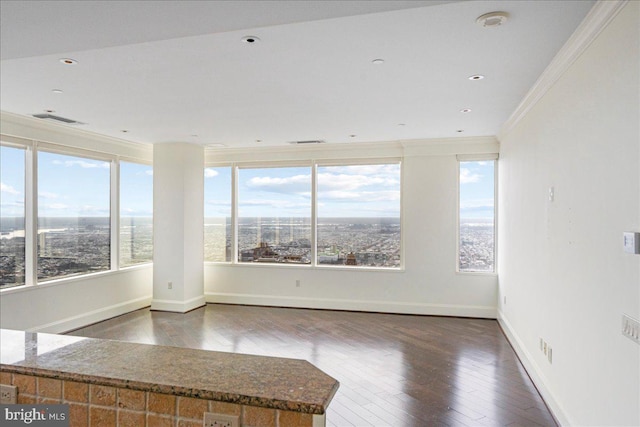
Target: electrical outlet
(8, 394)
(549, 355)
(298, 283)
(220, 420)
(541, 344)
(544, 347)
(631, 328)
(170, 285)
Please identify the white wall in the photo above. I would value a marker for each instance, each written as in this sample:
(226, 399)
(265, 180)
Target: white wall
(561, 264)
(70, 303)
(428, 284)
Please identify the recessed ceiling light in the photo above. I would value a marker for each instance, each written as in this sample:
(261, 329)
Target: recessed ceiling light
(492, 19)
(378, 61)
(402, 124)
(476, 77)
(68, 61)
(250, 39)
(465, 110)
(460, 130)
(49, 111)
(352, 136)
(258, 141)
(56, 90)
(124, 131)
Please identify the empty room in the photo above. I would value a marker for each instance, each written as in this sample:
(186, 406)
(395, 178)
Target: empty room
(320, 213)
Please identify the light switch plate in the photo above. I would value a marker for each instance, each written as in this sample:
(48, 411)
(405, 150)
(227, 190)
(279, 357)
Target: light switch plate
(631, 328)
(631, 242)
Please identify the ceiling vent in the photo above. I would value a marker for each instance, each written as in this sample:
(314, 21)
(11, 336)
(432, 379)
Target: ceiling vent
(47, 116)
(312, 141)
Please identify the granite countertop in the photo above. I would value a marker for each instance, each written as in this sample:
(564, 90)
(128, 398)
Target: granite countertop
(271, 382)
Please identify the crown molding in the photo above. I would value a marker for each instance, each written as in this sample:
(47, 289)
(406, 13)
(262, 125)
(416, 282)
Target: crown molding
(360, 150)
(600, 15)
(28, 128)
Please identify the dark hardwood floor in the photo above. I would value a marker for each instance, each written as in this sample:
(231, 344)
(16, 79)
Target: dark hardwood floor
(394, 370)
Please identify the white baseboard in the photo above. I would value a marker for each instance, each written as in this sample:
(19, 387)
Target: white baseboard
(84, 319)
(178, 306)
(353, 305)
(534, 372)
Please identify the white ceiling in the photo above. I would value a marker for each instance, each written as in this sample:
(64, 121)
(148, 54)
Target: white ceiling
(171, 71)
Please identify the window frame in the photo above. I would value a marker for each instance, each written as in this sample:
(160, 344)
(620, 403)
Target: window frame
(116, 181)
(461, 158)
(234, 231)
(27, 248)
(32, 147)
(313, 164)
(235, 205)
(112, 206)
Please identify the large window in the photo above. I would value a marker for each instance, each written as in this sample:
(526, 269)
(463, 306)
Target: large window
(12, 216)
(217, 214)
(359, 215)
(73, 216)
(274, 215)
(477, 216)
(324, 214)
(136, 213)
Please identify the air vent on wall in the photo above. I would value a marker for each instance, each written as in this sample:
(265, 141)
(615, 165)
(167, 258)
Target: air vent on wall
(312, 141)
(64, 120)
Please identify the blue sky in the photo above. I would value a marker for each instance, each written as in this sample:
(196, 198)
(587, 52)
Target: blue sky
(73, 187)
(343, 191)
(11, 182)
(477, 190)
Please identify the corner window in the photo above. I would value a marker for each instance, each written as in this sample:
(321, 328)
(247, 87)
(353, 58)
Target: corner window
(477, 216)
(73, 216)
(136, 214)
(12, 217)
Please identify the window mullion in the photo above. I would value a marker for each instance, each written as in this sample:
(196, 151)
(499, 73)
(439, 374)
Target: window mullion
(314, 214)
(115, 214)
(234, 214)
(31, 216)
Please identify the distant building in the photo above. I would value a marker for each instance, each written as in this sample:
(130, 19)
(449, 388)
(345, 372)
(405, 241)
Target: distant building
(351, 259)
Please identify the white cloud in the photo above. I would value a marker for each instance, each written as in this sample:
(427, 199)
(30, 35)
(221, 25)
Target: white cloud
(210, 173)
(8, 189)
(466, 176)
(289, 184)
(47, 195)
(358, 196)
(388, 169)
(353, 182)
(85, 164)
